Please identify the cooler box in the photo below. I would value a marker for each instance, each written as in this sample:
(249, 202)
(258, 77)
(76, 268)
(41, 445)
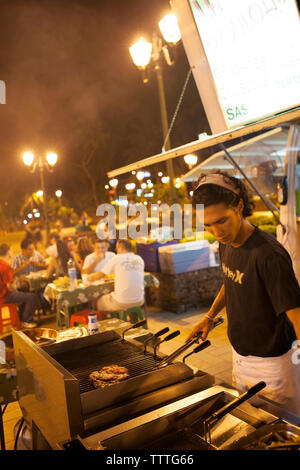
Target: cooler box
(149, 253)
(184, 257)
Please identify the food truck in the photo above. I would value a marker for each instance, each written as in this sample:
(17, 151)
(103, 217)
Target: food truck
(248, 78)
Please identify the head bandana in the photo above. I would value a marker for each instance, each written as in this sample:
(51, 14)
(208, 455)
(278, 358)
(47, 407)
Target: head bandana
(219, 180)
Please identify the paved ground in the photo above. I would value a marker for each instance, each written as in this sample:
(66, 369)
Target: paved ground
(216, 359)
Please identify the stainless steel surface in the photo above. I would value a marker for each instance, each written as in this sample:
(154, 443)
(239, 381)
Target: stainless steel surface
(234, 403)
(132, 327)
(48, 395)
(166, 424)
(56, 397)
(271, 436)
(41, 336)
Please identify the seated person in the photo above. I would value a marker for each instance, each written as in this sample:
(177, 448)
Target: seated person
(28, 261)
(94, 262)
(51, 250)
(128, 269)
(27, 301)
(72, 248)
(84, 248)
(55, 265)
(66, 250)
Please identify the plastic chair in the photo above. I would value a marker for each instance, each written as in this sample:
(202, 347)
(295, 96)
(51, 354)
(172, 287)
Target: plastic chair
(135, 314)
(9, 317)
(82, 317)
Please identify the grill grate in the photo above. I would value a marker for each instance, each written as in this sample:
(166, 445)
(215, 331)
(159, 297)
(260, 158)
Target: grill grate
(82, 362)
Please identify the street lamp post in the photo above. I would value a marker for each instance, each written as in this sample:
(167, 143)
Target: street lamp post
(30, 161)
(114, 184)
(58, 194)
(142, 52)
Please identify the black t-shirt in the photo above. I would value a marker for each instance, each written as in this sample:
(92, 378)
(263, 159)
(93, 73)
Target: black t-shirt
(260, 286)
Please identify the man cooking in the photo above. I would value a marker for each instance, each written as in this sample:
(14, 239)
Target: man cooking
(260, 292)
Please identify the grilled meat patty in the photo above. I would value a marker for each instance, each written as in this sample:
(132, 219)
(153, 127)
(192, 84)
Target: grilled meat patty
(108, 375)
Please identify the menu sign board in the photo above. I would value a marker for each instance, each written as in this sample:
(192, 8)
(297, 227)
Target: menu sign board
(252, 55)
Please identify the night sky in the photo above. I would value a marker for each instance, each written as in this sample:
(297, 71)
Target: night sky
(70, 80)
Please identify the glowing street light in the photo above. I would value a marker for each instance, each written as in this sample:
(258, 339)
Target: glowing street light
(170, 29)
(140, 175)
(130, 186)
(190, 160)
(58, 194)
(141, 53)
(28, 158)
(165, 179)
(114, 183)
(51, 158)
(41, 161)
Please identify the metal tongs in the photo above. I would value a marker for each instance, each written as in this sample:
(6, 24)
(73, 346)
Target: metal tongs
(166, 338)
(187, 345)
(135, 325)
(215, 417)
(156, 335)
(199, 348)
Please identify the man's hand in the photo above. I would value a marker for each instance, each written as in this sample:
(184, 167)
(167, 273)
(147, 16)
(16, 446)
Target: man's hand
(204, 327)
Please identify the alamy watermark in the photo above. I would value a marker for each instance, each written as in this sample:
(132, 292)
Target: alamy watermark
(2, 352)
(2, 92)
(296, 352)
(136, 220)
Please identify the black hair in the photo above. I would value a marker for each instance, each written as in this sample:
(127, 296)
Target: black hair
(211, 194)
(54, 235)
(64, 255)
(4, 249)
(127, 245)
(25, 243)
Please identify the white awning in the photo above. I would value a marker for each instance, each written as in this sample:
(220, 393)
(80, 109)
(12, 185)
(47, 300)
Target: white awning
(270, 145)
(210, 141)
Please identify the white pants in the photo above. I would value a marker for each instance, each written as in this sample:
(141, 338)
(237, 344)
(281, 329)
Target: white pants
(280, 374)
(108, 303)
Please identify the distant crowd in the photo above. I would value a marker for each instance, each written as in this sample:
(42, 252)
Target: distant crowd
(92, 258)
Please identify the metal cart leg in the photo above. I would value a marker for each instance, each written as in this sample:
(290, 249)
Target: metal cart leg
(2, 440)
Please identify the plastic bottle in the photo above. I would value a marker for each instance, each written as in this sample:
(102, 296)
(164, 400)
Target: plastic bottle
(93, 327)
(72, 273)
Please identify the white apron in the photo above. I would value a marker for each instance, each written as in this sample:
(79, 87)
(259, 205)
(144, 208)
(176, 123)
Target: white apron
(281, 375)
